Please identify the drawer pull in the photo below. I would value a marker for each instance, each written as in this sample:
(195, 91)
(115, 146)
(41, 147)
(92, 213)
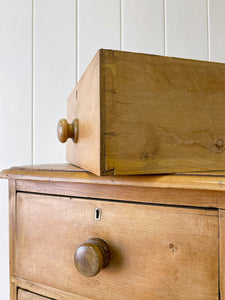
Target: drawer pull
(92, 256)
(67, 131)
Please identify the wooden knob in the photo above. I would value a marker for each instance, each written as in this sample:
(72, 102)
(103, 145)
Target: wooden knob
(67, 131)
(92, 256)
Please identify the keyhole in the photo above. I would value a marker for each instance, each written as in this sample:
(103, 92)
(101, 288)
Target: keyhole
(98, 214)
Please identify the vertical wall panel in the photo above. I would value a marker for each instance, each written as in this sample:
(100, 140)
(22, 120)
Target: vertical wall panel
(54, 73)
(15, 107)
(217, 30)
(186, 29)
(98, 27)
(143, 26)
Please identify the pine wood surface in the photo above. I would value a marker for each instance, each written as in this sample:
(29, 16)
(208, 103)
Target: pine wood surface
(203, 189)
(84, 105)
(68, 173)
(12, 235)
(164, 115)
(46, 291)
(222, 252)
(24, 295)
(167, 196)
(13, 289)
(147, 114)
(156, 251)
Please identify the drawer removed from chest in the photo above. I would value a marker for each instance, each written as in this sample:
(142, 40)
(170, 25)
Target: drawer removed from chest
(136, 113)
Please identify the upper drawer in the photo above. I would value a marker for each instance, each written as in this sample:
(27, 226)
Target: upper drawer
(156, 252)
(145, 114)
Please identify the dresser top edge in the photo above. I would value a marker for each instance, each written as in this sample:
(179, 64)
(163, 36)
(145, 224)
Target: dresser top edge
(68, 173)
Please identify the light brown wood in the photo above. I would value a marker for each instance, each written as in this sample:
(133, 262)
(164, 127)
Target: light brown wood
(57, 216)
(168, 196)
(67, 131)
(13, 289)
(68, 173)
(92, 256)
(145, 114)
(222, 252)
(46, 291)
(84, 105)
(12, 225)
(12, 236)
(157, 252)
(25, 295)
(51, 167)
(163, 115)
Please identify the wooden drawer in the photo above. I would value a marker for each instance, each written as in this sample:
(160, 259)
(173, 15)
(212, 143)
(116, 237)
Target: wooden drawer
(25, 295)
(156, 252)
(145, 114)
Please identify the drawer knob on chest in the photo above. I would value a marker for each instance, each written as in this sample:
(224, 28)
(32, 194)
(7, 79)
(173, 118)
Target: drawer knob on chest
(67, 131)
(92, 256)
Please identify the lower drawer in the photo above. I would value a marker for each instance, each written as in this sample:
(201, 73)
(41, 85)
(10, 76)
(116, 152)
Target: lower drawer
(24, 295)
(157, 252)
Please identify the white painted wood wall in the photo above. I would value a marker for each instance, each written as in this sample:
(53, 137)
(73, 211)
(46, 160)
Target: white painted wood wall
(46, 46)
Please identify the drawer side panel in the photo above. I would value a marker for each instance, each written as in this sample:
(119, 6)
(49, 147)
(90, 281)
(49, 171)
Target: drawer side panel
(166, 114)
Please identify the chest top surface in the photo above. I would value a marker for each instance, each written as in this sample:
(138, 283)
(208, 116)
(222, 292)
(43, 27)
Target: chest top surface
(213, 180)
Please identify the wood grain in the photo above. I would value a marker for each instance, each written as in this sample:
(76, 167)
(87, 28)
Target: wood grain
(12, 236)
(64, 173)
(167, 196)
(222, 252)
(13, 289)
(25, 295)
(84, 105)
(46, 291)
(152, 247)
(12, 225)
(162, 114)
(147, 114)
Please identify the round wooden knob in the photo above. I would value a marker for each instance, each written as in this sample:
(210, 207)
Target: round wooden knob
(66, 131)
(92, 256)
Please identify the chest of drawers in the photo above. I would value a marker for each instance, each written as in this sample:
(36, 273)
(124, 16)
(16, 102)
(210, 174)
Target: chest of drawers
(165, 235)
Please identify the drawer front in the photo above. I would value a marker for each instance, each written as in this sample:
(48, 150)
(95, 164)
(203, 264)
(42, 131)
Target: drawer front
(157, 252)
(25, 295)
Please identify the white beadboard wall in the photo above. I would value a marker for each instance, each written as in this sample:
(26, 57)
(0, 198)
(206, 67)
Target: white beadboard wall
(46, 46)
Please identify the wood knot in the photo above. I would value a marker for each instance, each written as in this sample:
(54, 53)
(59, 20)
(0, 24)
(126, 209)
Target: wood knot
(218, 147)
(144, 156)
(173, 247)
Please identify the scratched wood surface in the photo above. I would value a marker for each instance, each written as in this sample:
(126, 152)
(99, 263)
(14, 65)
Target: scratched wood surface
(157, 252)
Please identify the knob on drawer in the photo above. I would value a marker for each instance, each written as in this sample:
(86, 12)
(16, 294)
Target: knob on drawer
(66, 130)
(92, 256)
